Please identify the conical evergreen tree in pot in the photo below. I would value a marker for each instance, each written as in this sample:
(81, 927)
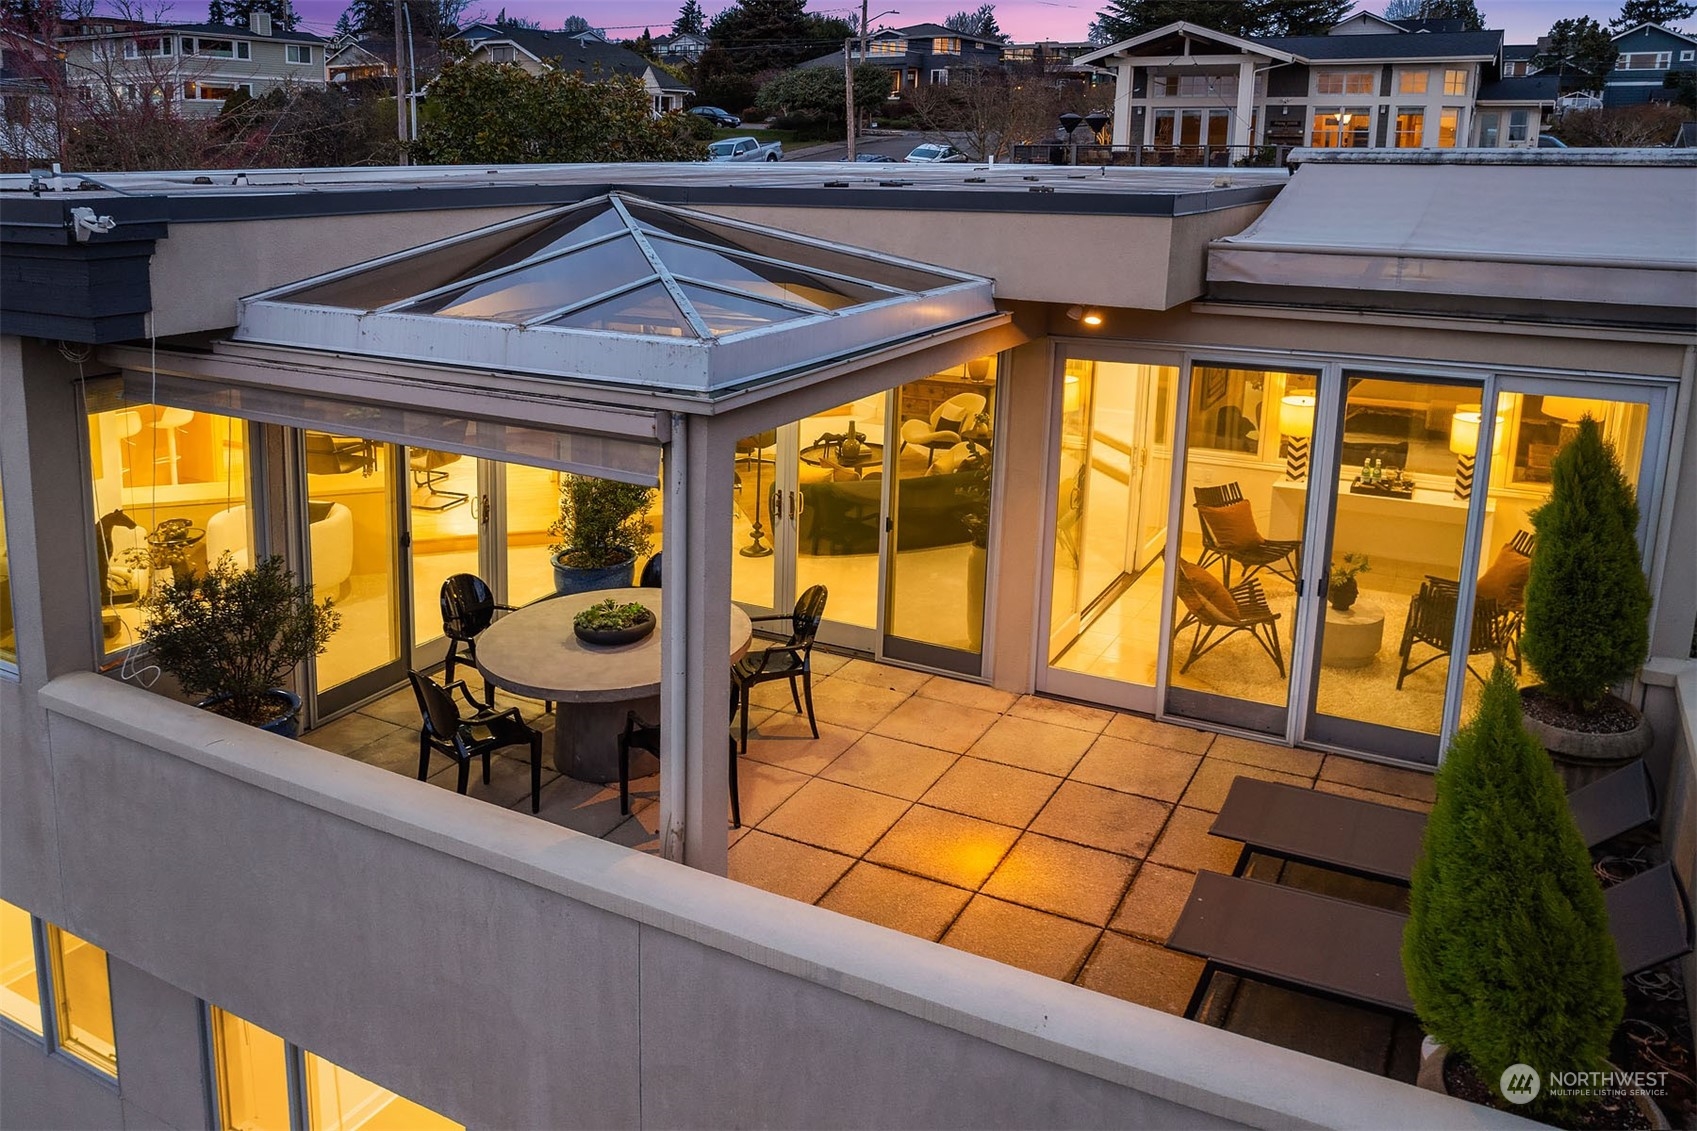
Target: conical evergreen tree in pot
(1507, 952)
(1587, 603)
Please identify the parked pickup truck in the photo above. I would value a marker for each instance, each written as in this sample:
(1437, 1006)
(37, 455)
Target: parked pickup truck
(745, 149)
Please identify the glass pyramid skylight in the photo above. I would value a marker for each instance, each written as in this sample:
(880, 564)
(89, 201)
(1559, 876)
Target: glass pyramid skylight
(622, 267)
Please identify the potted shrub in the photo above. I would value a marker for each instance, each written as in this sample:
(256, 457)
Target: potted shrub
(234, 636)
(1341, 587)
(1587, 610)
(601, 529)
(1507, 952)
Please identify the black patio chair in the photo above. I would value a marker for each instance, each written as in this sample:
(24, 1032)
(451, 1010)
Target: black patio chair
(644, 736)
(1248, 613)
(651, 570)
(463, 738)
(468, 607)
(791, 660)
(1229, 534)
(1431, 621)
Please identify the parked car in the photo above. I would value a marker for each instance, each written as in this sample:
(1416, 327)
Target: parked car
(873, 157)
(933, 152)
(745, 149)
(717, 116)
(1545, 141)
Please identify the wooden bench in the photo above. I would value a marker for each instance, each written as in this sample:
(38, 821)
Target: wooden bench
(1351, 952)
(1381, 842)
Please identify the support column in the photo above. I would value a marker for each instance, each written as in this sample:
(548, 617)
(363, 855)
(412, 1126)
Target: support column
(695, 683)
(1122, 104)
(1242, 131)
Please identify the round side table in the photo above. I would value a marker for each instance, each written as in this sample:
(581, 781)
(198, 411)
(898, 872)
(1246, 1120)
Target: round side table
(1353, 637)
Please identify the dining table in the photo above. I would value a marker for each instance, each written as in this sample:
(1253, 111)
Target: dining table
(533, 651)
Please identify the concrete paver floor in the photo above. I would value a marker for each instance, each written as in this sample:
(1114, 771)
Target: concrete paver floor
(1052, 836)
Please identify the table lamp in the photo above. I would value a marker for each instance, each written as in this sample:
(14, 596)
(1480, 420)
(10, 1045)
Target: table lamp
(1464, 442)
(1296, 425)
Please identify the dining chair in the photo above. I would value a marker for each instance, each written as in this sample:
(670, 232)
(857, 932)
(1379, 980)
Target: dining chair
(791, 660)
(463, 738)
(428, 476)
(468, 607)
(645, 736)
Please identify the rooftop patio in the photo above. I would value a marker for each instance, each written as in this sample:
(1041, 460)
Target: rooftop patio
(1051, 836)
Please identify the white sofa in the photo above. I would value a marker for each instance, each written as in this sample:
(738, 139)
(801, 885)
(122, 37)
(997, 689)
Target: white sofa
(332, 541)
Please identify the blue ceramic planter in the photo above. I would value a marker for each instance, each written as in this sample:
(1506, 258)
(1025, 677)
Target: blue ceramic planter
(287, 724)
(569, 580)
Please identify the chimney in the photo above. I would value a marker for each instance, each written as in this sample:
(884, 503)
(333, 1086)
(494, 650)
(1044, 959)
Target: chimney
(259, 22)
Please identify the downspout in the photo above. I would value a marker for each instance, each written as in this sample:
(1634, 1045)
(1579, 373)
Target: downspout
(674, 627)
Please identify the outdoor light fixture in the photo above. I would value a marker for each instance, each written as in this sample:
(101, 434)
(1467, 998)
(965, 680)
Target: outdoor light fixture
(1296, 425)
(1464, 442)
(1088, 317)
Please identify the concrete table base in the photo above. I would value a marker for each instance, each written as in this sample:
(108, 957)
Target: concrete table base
(1353, 637)
(586, 736)
(533, 651)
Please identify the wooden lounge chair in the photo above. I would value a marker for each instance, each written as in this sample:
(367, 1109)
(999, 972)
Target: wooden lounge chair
(1350, 952)
(1220, 615)
(1229, 535)
(1381, 842)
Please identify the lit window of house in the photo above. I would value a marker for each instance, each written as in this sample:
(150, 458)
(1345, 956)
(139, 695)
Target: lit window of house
(1644, 61)
(82, 998)
(214, 92)
(1410, 128)
(20, 991)
(1449, 121)
(949, 46)
(1343, 82)
(887, 47)
(216, 48)
(1345, 129)
(1413, 82)
(1455, 81)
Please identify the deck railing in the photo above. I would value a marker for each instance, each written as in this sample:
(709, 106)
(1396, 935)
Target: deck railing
(1182, 156)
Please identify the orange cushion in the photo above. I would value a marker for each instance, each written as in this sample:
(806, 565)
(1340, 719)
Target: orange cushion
(1505, 581)
(1233, 525)
(1211, 591)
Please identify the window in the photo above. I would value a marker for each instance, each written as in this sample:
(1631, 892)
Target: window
(1687, 56)
(20, 990)
(1455, 81)
(502, 54)
(950, 46)
(940, 77)
(887, 47)
(1646, 61)
(82, 998)
(150, 48)
(1413, 82)
(298, 53)
(216, 48)
(1195, 86)
(1517, 122)
(1410, 128)
(1343, 129)
(170, 495)
(214, 92)
(134, 93)
(1449, 121)
(255, 1094)
(1344, 82)
(1488, 130)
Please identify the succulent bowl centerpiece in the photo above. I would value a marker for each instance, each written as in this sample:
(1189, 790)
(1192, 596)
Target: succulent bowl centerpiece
(610, 622)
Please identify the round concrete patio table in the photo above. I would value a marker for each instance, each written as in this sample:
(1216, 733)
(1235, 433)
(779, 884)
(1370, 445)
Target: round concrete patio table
(533, 651)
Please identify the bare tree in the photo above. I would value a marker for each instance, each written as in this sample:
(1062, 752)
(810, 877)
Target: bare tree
(985, 113)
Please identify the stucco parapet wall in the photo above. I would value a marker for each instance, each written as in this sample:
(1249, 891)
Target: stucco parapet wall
(1220, 1074)
(1617, 158)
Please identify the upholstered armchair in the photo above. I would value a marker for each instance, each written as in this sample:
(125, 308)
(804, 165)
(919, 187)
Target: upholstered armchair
(943, 430)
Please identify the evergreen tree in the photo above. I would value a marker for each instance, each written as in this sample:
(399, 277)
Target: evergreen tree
(1507, 951)
(1463, 10)
(690, 19)
(774, 35)
(981, 23)
(1124, 19)
(432, 19)
(235, 12)
(1587, 603)
(1579, 52)
(1299, 17)
(1662, 13)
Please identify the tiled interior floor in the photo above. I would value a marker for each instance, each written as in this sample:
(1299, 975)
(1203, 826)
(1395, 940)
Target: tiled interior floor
(1056, 837)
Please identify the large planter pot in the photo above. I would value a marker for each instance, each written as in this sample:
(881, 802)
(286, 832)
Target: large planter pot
(1431, 1077)
(286, 724)
(570, 580)
(1343, 593)
(1583, 756)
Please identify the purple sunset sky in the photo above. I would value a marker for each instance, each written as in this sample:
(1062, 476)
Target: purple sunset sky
(1522, 20)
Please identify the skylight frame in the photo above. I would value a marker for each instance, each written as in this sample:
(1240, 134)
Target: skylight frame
(679, 299)
(511, 268)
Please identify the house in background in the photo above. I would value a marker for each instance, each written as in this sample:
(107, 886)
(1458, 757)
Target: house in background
(197, 65)
(684, 47)
(349, 60)
(921, 55)
(1517, 59)
(1512, 112)
(1372, 83)
(1648, 55)
(585, 53)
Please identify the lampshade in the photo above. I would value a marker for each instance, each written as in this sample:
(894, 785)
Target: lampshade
(1464, 433)
(1296, 415)
(1070, 393)
(1573, 408)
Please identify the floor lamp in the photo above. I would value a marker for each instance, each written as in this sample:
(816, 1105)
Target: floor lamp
(751, 448)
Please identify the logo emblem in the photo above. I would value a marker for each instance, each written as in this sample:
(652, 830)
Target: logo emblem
(1520, 1083)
